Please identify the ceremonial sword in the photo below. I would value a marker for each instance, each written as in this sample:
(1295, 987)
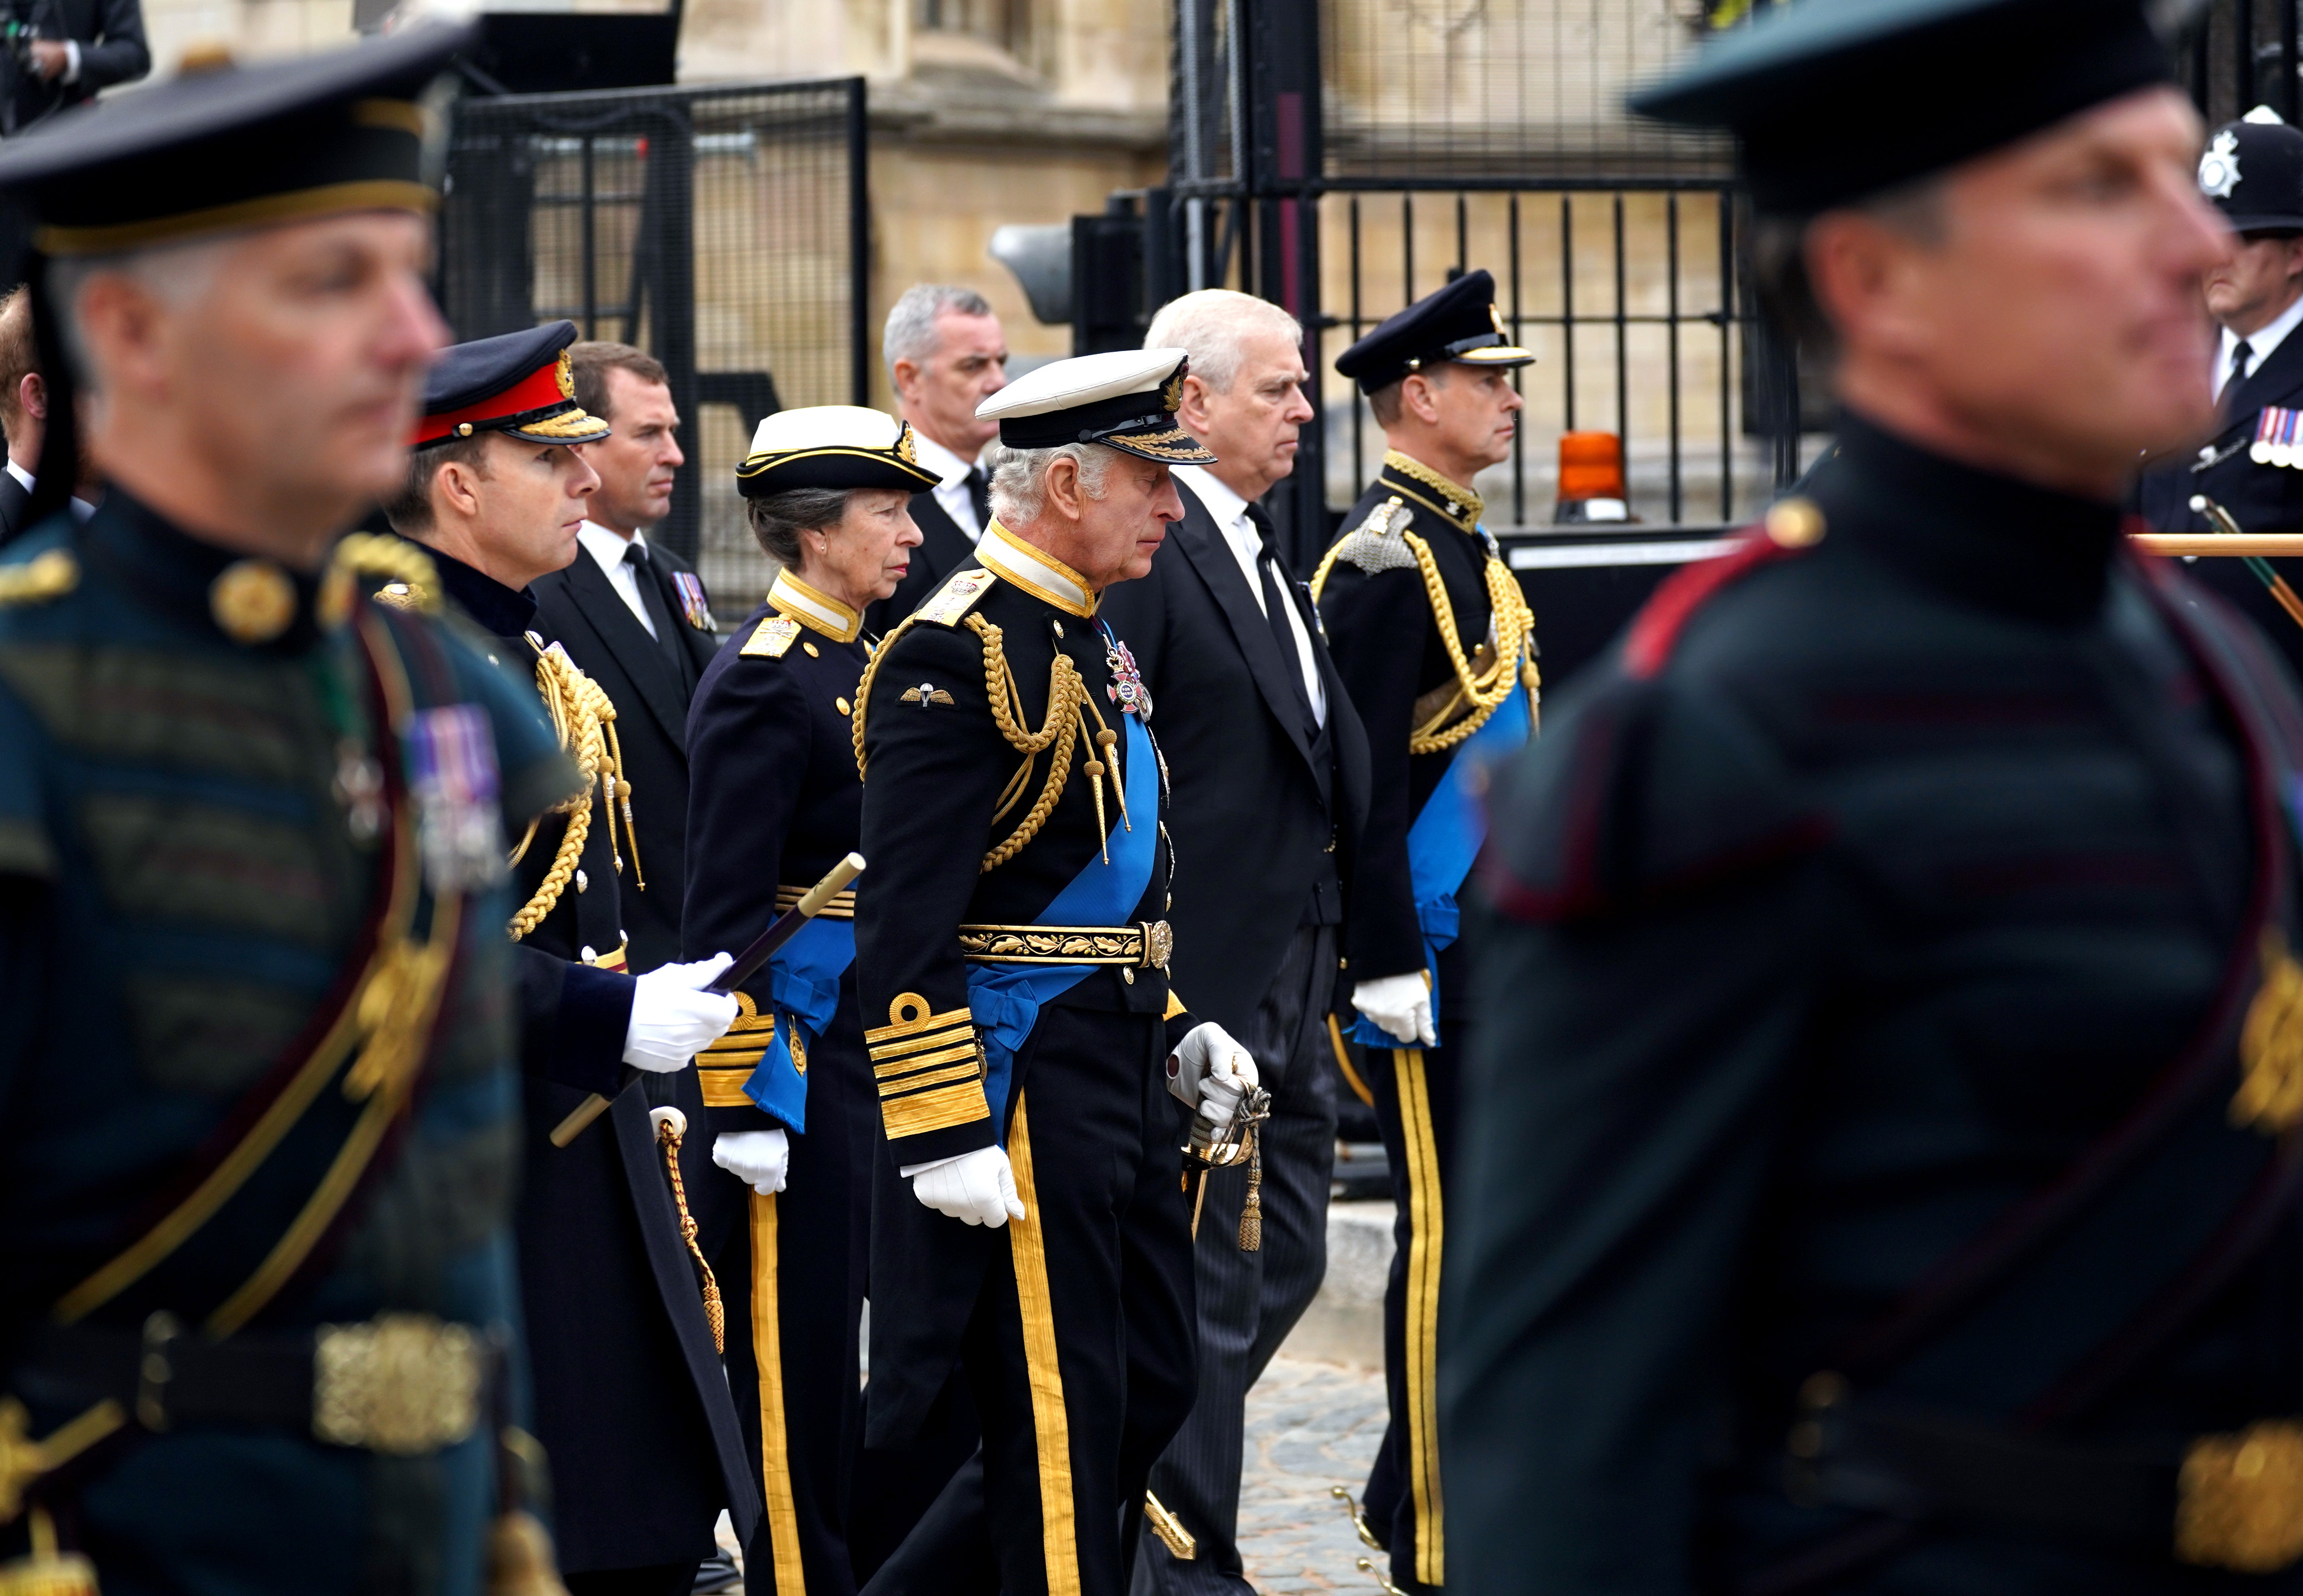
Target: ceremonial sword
(763, 948)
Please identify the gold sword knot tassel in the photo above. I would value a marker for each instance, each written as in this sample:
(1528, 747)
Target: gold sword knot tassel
(671, 1127)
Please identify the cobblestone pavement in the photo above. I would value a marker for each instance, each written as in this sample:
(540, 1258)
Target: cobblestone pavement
(1311, 1427)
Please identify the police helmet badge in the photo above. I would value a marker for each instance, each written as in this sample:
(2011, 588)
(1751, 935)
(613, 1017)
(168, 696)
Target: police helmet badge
(2219, 167)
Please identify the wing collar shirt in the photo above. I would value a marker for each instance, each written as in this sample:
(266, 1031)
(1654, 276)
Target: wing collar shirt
(2259, 346)
(951, 492)
(1228, 510)
(608, 548)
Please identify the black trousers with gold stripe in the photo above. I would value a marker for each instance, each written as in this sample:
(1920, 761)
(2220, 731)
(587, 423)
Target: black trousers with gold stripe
(1080, 1351)
(793, 1274)
(1414, 1090)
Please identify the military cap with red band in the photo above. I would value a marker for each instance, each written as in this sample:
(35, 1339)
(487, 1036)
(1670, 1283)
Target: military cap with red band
(517, 384)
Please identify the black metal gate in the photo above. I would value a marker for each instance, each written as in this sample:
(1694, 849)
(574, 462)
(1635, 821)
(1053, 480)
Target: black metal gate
(724, 230)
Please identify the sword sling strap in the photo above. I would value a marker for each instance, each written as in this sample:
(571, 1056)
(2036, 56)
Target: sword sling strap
(370, 1040)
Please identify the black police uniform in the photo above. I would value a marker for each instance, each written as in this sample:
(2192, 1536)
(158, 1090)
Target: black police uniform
(1427, 670)
(1075, 1323)
(257, 1065)
(774, 802)
(2253, 170)
(630, 1399)
(1877, 1178)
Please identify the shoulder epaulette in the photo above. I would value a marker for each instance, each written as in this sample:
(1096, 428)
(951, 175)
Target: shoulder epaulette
(42, 578)
(1380, 542)
(771, 638)
(956, 598)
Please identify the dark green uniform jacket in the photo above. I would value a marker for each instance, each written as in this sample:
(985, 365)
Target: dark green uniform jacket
(184, 876)
(1859, 1190)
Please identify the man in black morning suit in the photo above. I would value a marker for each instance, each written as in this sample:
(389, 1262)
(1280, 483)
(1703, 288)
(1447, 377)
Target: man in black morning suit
(946, 354)
(623, 1320)
(632, 615)
(1270, 770)
(2253, 172)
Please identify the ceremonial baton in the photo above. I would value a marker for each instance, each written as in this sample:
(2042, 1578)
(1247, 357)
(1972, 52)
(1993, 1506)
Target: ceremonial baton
(763, 948)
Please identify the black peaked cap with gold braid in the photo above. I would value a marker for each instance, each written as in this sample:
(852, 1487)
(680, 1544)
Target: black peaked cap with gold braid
(224, 148)
(1457, 322)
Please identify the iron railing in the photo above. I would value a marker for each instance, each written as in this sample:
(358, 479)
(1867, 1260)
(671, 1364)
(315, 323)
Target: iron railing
(724, 230)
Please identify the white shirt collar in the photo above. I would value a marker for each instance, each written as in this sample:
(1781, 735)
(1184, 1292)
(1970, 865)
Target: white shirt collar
(2259, 344)
(1223, 505)
(23, 477)
(606, 546)
(939, 459)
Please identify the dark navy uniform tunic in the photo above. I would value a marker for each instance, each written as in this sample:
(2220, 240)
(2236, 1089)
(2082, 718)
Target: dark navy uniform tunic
(1850, 905)
(775, 802)
(182, 876)
(630, 1402)
(1390, 651)
(1036, 1305)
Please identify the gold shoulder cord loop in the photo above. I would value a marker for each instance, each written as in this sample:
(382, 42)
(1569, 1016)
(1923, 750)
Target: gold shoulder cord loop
(1482, 691)
(580, 712)
(1070, 707)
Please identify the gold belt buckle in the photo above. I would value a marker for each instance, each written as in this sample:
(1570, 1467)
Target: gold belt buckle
(403, 1384)
(2239, 1500)
(1159, 945)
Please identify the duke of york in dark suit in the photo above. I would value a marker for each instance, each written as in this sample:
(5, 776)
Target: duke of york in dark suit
(1270, 766)
(651, 679)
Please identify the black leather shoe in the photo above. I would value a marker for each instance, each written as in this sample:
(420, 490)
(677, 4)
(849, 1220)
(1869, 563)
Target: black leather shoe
(718, 1573)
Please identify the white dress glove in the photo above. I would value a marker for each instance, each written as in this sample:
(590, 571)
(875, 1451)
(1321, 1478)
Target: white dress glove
(1210, 1072)
(978, 1188)
(673, 1019)
(1400, 1005)
(761, 1158)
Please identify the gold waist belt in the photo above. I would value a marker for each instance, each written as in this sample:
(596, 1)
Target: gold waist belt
(1143, 946)
(842, 906)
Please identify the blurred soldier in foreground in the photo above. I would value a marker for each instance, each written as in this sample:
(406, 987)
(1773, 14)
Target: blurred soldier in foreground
(1012, 961)
(1433, 639)
(259, 1126)
(2253, 170)
(624, 1319)
(776, 805)
(1880, 1155)
(1270, 767)
(945, 355)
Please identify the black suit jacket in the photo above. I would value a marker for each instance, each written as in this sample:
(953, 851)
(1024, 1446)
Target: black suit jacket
(110, 34)
(1250, 828)
(2261, 498)
(15, 499)
(581, 608)
(943, 549)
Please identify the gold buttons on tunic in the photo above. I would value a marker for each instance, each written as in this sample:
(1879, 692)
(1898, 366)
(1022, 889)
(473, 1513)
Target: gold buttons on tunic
(840, 705)
(811, 651)
(1795, 524)
(252, 600)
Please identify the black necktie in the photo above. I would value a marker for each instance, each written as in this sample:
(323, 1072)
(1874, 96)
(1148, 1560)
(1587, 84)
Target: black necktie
(652, 595)
(979, 493)
(1275, 611)
(2241, 355)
